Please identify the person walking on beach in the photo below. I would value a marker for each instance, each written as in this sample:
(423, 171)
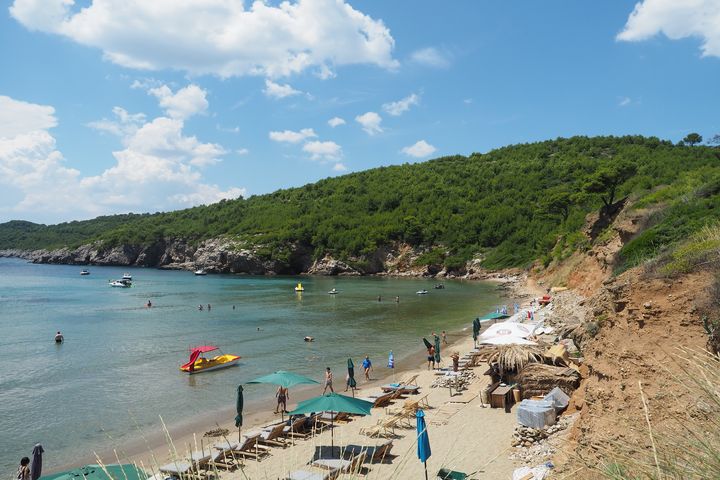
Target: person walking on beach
(431, 357)
(23, 471)
(283, 395)
(328, 381)
(444, 337)
(367, 366)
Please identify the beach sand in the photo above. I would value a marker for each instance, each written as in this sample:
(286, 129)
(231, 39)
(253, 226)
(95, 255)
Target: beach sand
(464, 435)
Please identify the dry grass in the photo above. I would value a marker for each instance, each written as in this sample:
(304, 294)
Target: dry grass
(513, 358)
(687, 447)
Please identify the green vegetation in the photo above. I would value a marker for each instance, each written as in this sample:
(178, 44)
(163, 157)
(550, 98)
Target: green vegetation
(512, 205)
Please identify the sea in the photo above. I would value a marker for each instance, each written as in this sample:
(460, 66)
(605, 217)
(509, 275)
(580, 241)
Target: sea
(116, 374)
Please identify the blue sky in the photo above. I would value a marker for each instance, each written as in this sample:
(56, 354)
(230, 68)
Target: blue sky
(111, 106)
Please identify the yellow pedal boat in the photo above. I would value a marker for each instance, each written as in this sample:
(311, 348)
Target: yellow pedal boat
(199, 363)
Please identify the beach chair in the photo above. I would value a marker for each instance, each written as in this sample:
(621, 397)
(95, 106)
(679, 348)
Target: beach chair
(381, 400)
(274, 436)
(404, 386)
(224, 460)
(334, 417)
(376, 454)
(384, 428)
(313, 475)
(352, 466)
(192, 467)
(248, 448)
(297, 428)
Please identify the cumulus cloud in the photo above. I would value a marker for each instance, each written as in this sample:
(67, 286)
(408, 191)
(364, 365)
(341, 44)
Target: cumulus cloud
(290, 136)
(431, 57)
(158, 168)
(336, 122)
(323, 150)
(676, 19)
(18, 117)
(222, 37)
(242, 151)
(401, 106)
(419, 149)
(276, 90)
(370, 122)
(340, 167)
(184, 103)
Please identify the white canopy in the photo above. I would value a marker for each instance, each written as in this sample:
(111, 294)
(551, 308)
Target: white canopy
(506, 340)
(507, 329)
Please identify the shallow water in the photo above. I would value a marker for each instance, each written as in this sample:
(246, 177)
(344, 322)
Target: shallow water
(118, 368)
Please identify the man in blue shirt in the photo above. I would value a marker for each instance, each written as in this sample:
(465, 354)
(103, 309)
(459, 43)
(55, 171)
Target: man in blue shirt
(367, 366)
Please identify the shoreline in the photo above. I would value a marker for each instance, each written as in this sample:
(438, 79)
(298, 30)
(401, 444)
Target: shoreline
(148, 448)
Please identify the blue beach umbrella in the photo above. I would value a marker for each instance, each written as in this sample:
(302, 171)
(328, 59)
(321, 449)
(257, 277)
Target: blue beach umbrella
(423, 440)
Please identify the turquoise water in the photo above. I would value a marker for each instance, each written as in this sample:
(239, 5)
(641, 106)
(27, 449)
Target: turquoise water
(118, 367)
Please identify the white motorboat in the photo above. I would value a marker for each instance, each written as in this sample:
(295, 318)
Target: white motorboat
(422, 292)
(120, 284)
(200, 272)
(126, 276)
(84, 272)
(333, 292)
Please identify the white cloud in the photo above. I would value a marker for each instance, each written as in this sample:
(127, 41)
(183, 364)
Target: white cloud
(340, 167)
(431, 57)
(676, 19)
(185, 103)
(419, 149)
(289, 136)
(276, 90)
(242, 151)
(158, 168)
(336, 122)
(325, 72)
(401, 106)
(323, 150)
(370, 122)
(220, 37)
(624, 101)
(125, 124)
(18, 117)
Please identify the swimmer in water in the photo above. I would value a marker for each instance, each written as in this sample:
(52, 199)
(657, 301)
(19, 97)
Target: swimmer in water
(59, 338)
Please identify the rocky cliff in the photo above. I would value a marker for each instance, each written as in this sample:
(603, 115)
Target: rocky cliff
(225, 255)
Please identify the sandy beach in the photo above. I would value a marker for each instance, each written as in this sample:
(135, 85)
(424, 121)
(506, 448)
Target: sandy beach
(464, 434)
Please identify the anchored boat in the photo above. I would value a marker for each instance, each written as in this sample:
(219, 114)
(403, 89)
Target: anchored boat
(200, 363)
(299, 288)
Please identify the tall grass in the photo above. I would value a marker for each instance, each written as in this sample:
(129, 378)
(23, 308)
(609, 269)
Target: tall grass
(685, 447)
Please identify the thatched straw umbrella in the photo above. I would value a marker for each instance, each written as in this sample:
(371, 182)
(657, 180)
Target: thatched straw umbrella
(512, 358)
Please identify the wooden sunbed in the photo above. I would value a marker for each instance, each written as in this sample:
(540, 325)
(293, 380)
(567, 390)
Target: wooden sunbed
(352, 466)
(191, 467)
(313, 475)
(384, 428)
(375, 454)
(274, 436)
(248, 448)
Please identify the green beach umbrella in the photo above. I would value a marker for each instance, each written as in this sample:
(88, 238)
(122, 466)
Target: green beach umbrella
(437, 350)
(333, 402)
(284, 379)
(239, 408)
(97, 472)
(351, 376)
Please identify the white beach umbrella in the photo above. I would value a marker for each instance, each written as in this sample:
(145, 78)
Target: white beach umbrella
(506, 340)
(507, 329)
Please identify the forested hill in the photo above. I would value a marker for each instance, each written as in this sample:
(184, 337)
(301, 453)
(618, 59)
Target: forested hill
(509, 206)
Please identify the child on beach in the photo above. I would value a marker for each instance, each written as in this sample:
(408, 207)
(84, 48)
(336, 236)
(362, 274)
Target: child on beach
(328, 381)
(444, 337)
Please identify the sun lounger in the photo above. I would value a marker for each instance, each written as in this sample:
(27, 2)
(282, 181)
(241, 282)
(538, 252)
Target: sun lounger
(351, 466)
(224, 460)
(248, 448)
(191, 467)
(381, 400)
(273, 437)
(313, 475)
(384, 428)
(375, 454)
(334, 417)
